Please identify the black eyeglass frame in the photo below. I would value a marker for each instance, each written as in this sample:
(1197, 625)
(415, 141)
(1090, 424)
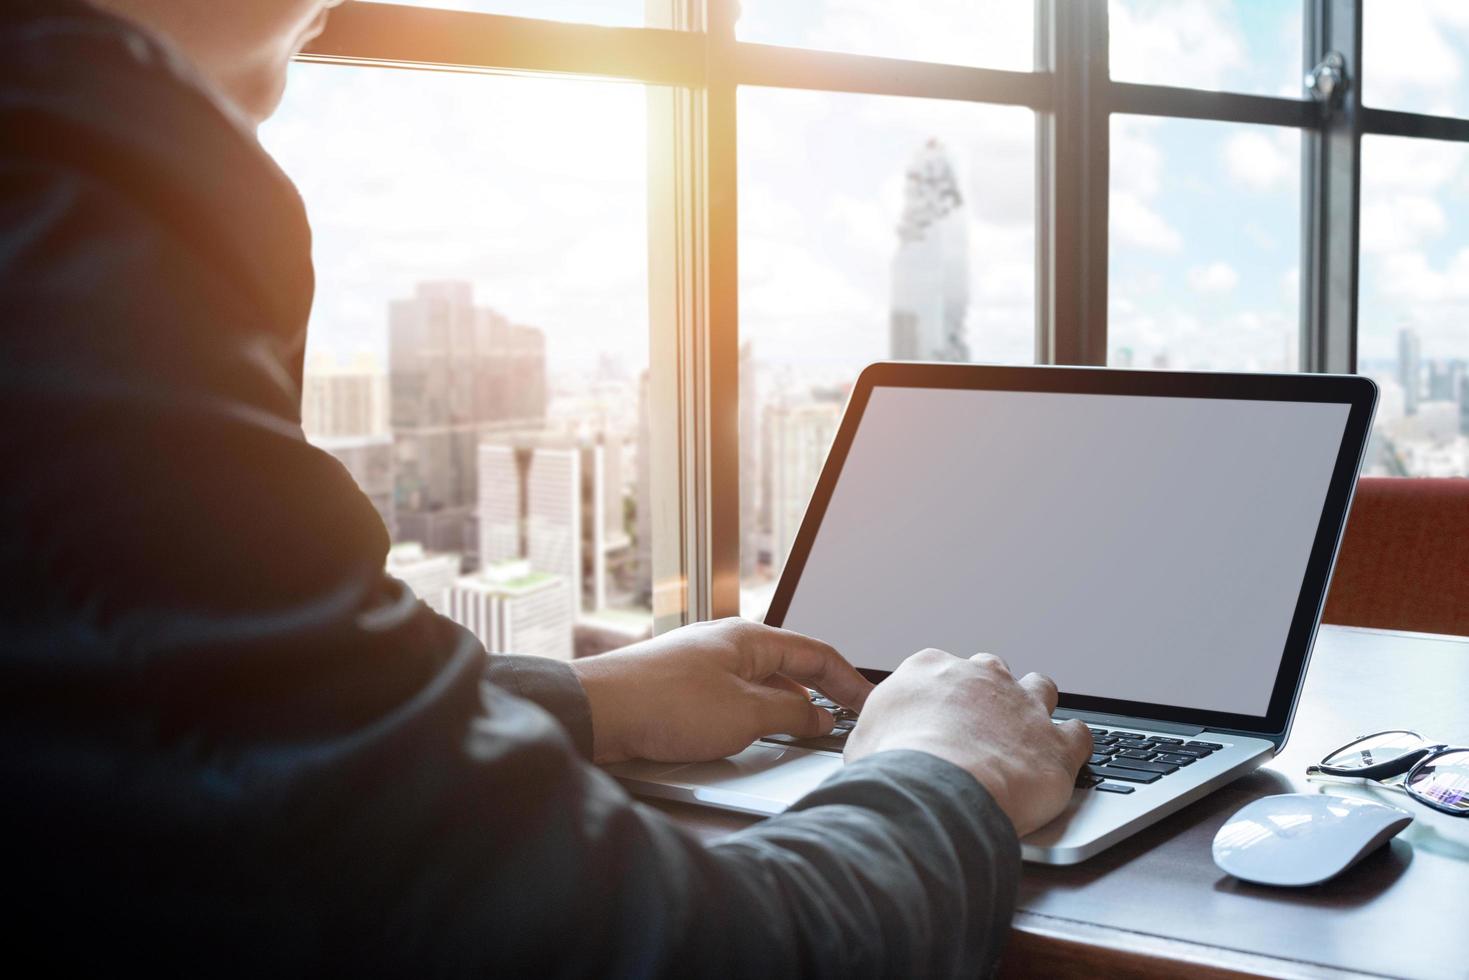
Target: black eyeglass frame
(1405, 765)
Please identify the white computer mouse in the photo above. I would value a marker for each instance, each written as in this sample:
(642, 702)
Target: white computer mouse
(1303, 838)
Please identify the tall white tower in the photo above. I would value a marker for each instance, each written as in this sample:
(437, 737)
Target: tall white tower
(553, 511)
(499, 503)
(931, 268)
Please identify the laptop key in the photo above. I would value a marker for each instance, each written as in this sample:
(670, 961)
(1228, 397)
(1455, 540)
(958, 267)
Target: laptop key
(1135, 754)
(1135, 735)
(1104, 739)
(1175, 759)
(828, 743)
(1096, 731)
(1165, 741)
(1185, 750)
(1098, 760)
(1211, 746)
(1134, 743)
(1114, 788)
(1126, 775)
(1161, 768)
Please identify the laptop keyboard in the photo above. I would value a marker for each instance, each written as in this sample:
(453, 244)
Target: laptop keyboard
(1121, 761)
(846, 720)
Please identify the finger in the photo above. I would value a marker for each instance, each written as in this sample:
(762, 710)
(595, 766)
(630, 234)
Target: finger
(1042, 688)
(991, 660)
(786, 713)
(810, 662)
(1078, 742)
(784, 683)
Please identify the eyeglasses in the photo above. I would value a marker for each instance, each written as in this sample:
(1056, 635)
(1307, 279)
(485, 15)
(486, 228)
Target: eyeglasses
(1434, 774)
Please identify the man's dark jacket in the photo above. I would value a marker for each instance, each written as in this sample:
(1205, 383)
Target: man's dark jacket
(230, 743)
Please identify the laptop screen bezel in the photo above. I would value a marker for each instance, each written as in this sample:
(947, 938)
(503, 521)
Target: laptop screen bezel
(1359, 393)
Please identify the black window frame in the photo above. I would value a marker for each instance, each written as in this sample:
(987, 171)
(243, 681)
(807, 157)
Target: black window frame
(695, 65)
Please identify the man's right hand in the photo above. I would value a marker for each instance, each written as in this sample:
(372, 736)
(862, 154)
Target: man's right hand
(974, 714)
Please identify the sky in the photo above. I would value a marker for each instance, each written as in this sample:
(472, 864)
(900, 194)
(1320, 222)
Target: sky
(535, 189)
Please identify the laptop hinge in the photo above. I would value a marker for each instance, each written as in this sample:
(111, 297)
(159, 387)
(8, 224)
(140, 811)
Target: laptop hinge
(1123, 721)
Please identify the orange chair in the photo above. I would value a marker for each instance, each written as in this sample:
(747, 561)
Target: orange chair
(1404, 560)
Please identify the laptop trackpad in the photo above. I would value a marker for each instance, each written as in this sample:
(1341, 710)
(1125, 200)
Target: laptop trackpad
(764, 774)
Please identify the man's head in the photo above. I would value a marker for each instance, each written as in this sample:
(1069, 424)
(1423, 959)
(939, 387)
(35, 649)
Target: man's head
(243, 46)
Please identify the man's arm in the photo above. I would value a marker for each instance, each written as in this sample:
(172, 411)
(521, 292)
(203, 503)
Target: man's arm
(235, 744)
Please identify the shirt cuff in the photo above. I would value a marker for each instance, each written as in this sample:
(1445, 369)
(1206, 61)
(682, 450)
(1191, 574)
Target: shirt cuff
(552, 685)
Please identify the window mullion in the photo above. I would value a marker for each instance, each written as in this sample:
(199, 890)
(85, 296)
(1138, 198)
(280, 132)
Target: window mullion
(721, 342)
(1073, 151)
(1331, 196)
(694, 372)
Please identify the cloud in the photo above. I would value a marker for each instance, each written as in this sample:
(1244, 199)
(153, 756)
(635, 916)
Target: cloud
(1412, 63)
(1261, 162)
(1134, 222)
(1137, 163)
(1411, 275)
(992, 33)
(1216, 277)
(1401, 163)
(1178, 42)
(1399, 222)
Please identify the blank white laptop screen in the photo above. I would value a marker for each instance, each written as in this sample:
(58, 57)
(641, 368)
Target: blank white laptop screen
(1149, 549)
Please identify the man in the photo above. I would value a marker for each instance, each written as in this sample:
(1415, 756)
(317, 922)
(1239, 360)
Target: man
(232, 745)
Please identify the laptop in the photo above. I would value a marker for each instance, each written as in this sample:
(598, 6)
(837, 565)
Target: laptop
(1159, 543)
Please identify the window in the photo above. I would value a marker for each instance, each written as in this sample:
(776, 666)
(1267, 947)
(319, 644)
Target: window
(1234, 46)
(1415, 303)
(711, 229)
(1205, 243)
(871, 228)
(991, 33)
(612, 13)
(478, 350)
(1416, 56)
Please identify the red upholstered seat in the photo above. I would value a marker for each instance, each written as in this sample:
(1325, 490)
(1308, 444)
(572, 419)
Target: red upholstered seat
(1404, 561)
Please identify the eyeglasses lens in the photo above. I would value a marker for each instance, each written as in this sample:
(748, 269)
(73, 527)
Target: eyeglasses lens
(1445, 780)
(1374, 750)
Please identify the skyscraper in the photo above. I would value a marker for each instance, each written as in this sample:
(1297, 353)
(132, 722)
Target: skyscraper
(1464, 405)
(339, 401)
(749, 464)
(458, 372)
(553, 514)
(430, 575)
(800, 436)
(500, 503)
(643, 498)
(557, 502)
(1409, 369)
(930, 297)
(513, 609)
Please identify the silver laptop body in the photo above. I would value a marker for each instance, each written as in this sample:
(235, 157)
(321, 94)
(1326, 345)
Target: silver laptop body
(1171, 533)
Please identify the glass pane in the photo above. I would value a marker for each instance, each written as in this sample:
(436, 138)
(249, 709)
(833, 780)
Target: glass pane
(1414, 302)
(1445, 780)
(1375, 750)
(871, 228)
(1249, 46)
(987, 33)
(1415, 56)
(607, 13)
(1204, 235)
(480, 337)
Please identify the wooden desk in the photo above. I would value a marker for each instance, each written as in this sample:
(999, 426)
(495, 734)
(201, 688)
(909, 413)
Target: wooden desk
(1156, 905)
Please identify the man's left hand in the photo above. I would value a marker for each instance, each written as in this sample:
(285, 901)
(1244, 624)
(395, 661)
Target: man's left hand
(708, 690)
